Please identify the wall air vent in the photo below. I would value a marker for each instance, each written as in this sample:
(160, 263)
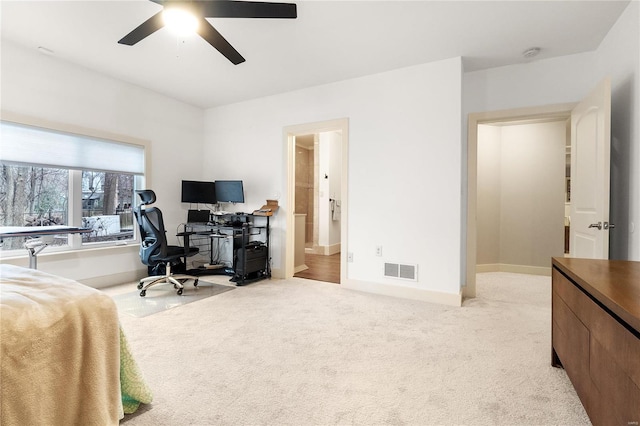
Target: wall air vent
(402, 271)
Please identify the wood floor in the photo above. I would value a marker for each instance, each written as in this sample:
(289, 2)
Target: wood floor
(321, 268)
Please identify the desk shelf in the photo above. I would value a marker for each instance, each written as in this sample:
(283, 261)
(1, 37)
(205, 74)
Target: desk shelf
(250, 260)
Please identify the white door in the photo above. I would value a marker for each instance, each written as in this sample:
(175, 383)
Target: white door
(590, 162)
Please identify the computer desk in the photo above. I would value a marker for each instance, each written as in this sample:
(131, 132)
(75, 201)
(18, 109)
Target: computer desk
(240, 234)
(215, 233)
(37, 243)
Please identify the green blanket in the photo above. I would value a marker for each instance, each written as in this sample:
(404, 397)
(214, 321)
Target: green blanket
(133, 387)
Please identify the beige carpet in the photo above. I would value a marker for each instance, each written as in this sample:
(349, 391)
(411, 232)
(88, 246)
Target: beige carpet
(299, 352)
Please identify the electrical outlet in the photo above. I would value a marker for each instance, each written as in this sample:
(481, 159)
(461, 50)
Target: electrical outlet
(349, 256)
(378, 250)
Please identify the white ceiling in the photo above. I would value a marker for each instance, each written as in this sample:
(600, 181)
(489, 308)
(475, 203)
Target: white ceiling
(329, 41)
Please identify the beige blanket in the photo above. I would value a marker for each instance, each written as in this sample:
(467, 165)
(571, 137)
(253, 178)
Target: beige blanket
(60, 344)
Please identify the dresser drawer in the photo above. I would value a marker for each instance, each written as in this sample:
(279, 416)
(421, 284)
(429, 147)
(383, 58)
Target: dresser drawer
(571, 343)
(621, 344)
(576, 300)
(616, 389)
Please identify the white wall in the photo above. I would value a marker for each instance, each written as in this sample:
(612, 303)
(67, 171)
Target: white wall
(569, 79)
(533, 179)
(489, 195)
(404, 168)
(619, 57)
(330, 147)
(50, 89)
(528, 186)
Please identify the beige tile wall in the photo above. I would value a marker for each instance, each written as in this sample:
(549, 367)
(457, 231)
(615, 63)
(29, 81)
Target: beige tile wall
(304, 188)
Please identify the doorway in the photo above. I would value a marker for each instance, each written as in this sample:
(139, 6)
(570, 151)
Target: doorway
(317, 192)
(552, 112)
(521, 203)
(318, 206)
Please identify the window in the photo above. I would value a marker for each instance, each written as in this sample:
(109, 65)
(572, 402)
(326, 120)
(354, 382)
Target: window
(54, 178)
(107, 201)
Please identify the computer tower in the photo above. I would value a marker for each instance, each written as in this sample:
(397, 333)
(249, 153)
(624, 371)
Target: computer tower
(256, 260)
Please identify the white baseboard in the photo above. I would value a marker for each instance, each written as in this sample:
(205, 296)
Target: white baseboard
(62, 264)
(404, 292)
(332, 249)
(300, 268)
(516, 269)
(324, 250)
(277, 273)
(488, 267)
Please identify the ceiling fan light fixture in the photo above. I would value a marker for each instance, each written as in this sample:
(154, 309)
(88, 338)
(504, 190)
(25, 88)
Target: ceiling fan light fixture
(191, 17)
(180, 21)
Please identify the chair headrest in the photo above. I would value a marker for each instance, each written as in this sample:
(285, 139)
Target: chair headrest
(147, 196)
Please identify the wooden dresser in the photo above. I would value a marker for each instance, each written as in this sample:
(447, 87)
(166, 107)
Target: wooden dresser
(596, 335)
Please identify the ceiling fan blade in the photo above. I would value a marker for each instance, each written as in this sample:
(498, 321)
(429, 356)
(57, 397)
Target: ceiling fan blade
(214, 38)
(246, 9)
(145, 29)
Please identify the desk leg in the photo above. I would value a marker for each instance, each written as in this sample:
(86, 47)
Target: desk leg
(186, 249)
(33, 250)
(211, 250)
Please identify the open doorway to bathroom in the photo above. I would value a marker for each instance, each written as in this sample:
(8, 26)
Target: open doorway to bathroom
(318, 205)
(330, 202)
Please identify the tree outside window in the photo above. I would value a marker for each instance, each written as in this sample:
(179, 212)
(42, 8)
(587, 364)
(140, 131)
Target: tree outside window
(107, 200)
(33, 196)
(40, 196)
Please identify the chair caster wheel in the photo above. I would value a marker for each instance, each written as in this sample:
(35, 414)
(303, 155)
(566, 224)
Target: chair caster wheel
(140, 286)
(195, 283)
(143, 293)
(179, 292)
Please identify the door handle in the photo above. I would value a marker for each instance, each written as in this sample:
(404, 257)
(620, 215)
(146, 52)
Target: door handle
(597, 225)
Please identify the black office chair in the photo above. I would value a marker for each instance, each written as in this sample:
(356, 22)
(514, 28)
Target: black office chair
(154, 250)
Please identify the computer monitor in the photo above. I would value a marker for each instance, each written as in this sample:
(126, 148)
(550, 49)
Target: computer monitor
(229, 191)
(194, 191)
(198, 216)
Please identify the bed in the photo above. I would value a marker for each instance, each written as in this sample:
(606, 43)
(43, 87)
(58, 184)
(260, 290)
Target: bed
(64, 357)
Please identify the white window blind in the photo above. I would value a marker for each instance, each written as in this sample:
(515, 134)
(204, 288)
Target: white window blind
(33, 145)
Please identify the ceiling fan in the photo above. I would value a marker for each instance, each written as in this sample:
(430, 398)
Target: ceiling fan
(201, 9)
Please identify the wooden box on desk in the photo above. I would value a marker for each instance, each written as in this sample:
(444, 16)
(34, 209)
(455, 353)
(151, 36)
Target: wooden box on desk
(268, 209)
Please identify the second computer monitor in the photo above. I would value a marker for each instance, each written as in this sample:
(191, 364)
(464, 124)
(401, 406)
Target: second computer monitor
(229, 191)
